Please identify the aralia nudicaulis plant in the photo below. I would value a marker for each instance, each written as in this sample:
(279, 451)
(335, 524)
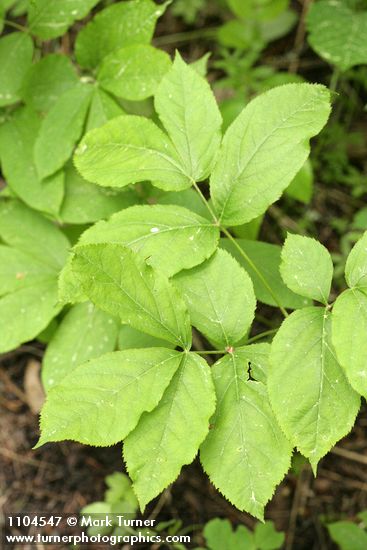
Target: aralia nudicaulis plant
(162, 269)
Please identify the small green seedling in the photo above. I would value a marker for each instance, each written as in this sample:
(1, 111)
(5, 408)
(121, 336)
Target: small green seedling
(219, 535)
(348, 535)
(118, 499)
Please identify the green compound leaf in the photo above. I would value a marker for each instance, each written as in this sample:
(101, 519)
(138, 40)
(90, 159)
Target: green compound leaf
(130, 149)
(16, 52)
(189, 112)
(120, 25)
(349, 323)
(133, 72)
(102, 108)
(121, 283)
(85, 202)
(266, 258)
(100, 402)
(169, 437)
(47, 80)
(248, 176)
(17, 139)
(170, 238)
(239, 452)
(130, 338)
(308, 390)
(356, 266)
(84, 333)
(61, 129)
(220, 298)
(307, 268)
(51, 19)
(337, 33)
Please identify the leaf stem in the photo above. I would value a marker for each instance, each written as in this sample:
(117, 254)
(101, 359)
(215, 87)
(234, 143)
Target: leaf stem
(209, 208)
(240, 250)
(210, 352)
(16, 26)
(334, 80)
(249, 341)
(262, 335)
(253, 266)
(264, 321)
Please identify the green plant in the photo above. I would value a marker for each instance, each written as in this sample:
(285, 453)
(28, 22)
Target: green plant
(348, 535)
(244, 79)
(157, 268)
(119, 498)
(220, 536)
(337, 30)
(350, 234)
(241, 42)
(257, 23)
(332, 160)
(188, 9)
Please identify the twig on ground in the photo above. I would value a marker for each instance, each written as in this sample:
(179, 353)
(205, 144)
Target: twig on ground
(299, 501)
(4, 377)
(16, 458)
(300, 38)
(350, 455)
(165, 496)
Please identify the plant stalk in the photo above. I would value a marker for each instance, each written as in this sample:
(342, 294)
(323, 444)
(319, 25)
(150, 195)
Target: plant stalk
(240, 250)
